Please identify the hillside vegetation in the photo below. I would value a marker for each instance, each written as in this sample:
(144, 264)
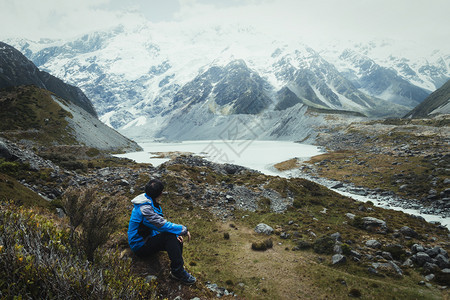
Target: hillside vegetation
(29, 112)
(221, 204)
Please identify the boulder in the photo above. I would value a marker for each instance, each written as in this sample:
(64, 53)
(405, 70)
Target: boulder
(421, 258)
(373, 244)
(430, 268)
(433, 252)
(406, 231)
(337, 249)
(390, 268)
(417, 248)
(429, 277)
(442, 261)
(264, 229)
(374, 225)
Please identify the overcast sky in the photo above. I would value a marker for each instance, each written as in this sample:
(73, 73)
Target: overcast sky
(424, 21)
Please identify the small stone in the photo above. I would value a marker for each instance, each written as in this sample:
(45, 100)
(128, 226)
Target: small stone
(397, 269)
(337, 249)
(350, 216)
(429, 277)
(263, 228)
(336, 236)
(284, 235)
(408, 263)
(338, 259)
(355, 254)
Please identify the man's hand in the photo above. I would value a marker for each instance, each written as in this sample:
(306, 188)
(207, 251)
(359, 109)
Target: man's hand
(180, 238)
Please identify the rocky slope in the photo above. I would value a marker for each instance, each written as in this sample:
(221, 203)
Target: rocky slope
(403, 163)
(438, 103)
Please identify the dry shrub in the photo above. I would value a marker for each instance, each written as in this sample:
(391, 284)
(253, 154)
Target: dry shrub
(37, 261)
(94, 213)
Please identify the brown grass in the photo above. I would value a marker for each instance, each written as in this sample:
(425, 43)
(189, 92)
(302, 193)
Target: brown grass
(287, 165)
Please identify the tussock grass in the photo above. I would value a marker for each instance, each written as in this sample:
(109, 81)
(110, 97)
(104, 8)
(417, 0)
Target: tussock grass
(287, 165)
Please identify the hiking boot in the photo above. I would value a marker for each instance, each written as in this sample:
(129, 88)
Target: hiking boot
(184, 277)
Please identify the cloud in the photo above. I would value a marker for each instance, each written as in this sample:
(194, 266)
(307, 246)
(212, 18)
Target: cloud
(310, 20)
(417, 20)
(57, 19)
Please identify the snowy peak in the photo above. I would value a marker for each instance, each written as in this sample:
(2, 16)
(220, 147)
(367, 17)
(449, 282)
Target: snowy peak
(233, 89)
(143, 76)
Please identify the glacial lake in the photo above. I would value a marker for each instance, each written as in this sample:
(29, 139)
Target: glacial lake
(257, 155)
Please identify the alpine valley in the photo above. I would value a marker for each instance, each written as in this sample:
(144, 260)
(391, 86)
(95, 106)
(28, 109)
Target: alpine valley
(65, 198)
(178, 84)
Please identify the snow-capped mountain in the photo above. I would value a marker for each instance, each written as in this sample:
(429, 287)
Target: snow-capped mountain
(143, 80)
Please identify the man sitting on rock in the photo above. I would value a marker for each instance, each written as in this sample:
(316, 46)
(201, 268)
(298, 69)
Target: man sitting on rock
(149, 232)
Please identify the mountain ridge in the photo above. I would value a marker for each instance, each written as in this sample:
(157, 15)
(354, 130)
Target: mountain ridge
(34, 108)
(17, 70)
(136, 86)
(436, 103)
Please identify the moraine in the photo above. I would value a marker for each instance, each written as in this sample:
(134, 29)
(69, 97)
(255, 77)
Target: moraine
(262, 155)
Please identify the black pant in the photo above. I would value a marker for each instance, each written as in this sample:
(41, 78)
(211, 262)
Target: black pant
(164, 242)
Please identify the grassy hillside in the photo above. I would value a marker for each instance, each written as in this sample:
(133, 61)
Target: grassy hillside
(297, 266)
(28, 112)
(438, 98)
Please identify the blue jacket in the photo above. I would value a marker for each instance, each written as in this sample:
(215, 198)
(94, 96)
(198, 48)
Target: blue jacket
(147, 220)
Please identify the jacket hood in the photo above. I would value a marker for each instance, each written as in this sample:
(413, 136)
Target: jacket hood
(141, 199)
